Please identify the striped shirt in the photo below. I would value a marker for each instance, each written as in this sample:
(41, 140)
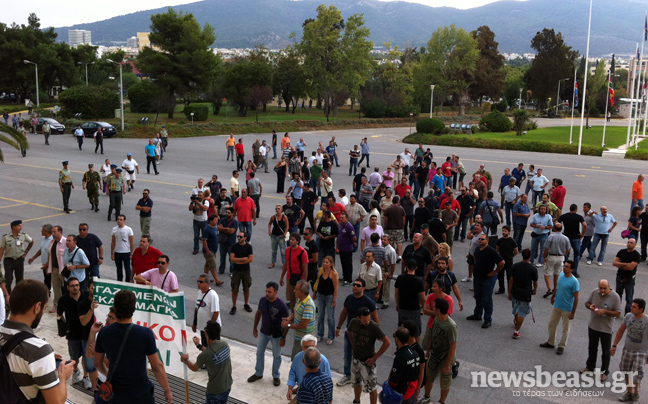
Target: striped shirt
(305, 310)
(32, 363)
(315, 388)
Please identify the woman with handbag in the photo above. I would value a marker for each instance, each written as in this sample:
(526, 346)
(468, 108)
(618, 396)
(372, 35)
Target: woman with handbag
(634, 223)
(278, 230)
(280, 169)
(325, 293)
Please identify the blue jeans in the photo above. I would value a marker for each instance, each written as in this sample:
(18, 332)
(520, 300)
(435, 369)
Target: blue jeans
(484, 297)
(348, 354)
(93, 271)
(274, 151)
(416, 189)
(639, 203)
(537, 197)
(362, 157)
(198, 230)
(628, 287)
(586, 244)
(246, 227)
(460, 228)
(324, 252)
(356, 229)
(603, 238)
(508, 208)
(278, 242)
(324, 309)
(538, 242)
(518, 234)
(224, 254)
(353, 166)
(576, 248)
(260, 357)
(217, 398)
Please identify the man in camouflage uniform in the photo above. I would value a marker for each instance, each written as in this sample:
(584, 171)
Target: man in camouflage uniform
(66, 186)
(116, 188)
(92, 182)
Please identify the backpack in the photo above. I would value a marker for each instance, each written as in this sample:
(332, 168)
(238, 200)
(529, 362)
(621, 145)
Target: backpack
(10, 393)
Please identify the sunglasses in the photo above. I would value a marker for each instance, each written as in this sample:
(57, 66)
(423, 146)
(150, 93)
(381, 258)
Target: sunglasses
(482, 239)
(357, 285)
(240, 236)
(201, 282)
(161, 262)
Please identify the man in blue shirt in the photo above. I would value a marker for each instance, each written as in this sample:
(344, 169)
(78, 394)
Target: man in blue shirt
(604, 224)
(521, 213)
(330, 149)
(519, 174)
(565, 302)
(76, 262)
(298, 369)
(210, 248)
(144, 206)
(364, 147)
(300, 148)
(150, 157)
(542, 224)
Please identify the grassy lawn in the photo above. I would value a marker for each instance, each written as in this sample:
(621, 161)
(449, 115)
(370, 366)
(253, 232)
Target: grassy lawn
(615, 136)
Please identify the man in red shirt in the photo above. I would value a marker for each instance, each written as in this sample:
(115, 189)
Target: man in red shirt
(336, 208)
(295, 267)
(145, 257)
(240, 155)
(245, 211)
(402, 188)
(558, 193)
(637, 193)
(446, 168)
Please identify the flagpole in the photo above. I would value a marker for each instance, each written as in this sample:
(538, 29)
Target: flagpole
(589, 29)
(607, 101)
(571, 127)
(640, 81)
(632, 95)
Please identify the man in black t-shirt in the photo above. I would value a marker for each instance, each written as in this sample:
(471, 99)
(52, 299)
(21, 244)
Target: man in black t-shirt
(327, 231)
(241, 255)
(67, 310)
(419, 358)
(357, 180)
(572, 222)
(294, 213)
(488, 263)
(311, 249)
(627, 260)
(437, 228)
(523, 283)
(308, 201)
(418, 253)
(467, 205)
(221, 202)
(404, 374)
(410, 296)
(449, 280)
(507, 248)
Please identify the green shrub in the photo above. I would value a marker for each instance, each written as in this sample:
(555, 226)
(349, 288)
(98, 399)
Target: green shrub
(403, 110)
(637, 154)
(374, 108)
(430, 125)
(486, 107)
(531, 125)
(93, 102)
(500, 106)
(594, 112)
(495, 122)
(200, 111)
(145, 97)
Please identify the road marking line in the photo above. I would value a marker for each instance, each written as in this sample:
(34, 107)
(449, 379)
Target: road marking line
(46, 217)
(11, 206)
(29, 203)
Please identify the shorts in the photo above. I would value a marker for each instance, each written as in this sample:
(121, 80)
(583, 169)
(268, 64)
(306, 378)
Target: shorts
(396, 236)
(245, 277)
(432, 373)
(553, 265)
(364, 376)
(633, 361)
(75, 349)
(522, 309)
(145, 225)
(210, 261)
(129, 177)
(89, 361)
(470, 260)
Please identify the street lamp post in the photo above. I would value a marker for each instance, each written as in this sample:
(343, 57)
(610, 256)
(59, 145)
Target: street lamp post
(431, 99)
(558, 96)
(121, 90)
(520, 100)
(27, 62)
(86, 67)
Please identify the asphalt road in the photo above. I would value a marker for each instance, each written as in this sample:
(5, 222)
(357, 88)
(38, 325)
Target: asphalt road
(29, 191)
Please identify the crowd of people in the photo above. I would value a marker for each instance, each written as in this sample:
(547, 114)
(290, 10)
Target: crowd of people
(404, 220)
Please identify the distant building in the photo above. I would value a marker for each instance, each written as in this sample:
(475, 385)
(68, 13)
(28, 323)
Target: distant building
(143, 40)
(78, 37)
(132, 42)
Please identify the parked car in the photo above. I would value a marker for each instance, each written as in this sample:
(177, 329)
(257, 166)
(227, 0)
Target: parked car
(55, 126)
(89, 128)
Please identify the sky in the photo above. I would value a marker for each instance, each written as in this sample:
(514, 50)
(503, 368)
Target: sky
(69, 12)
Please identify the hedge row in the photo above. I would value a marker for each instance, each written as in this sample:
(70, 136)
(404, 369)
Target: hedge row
(637, 154)
(500, 144)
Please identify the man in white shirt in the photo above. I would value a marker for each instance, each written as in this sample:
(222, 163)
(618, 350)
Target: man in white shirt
(365, 235)
(207, 307)
(130, 166)
(539, 182)
(371, 272)
(263, 156)
(200, 187)
(234, 185)
(407, 158)
(161, 277)
(122, 247)
(198, 207)
(326, 185)
(78, 133)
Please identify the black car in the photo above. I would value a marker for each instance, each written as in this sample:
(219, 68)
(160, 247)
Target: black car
(89, 128)
(55, 126)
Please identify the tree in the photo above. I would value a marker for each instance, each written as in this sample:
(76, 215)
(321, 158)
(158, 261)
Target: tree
(554, 61)
(488, 77)
(184, 63)
(520, 120)
(13, 138)
(450, 63)
(513, 82)
(257, 96)
(335, 55)
(289, 78)
(91, 101)
(595, 83)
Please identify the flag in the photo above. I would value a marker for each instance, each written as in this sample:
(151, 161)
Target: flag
(575, 93)
(611, 92)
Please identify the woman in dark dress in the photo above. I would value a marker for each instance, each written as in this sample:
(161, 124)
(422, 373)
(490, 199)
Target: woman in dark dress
(280, 169)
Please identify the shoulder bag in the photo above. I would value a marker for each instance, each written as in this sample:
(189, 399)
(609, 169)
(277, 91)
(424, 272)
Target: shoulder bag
(105, 390)
(65, 271)
(493, 214)
(223, 238)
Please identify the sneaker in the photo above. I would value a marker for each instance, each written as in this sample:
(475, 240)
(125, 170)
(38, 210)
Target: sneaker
(344, 380)
(589, 262)
(466, 279)
(626, 397)
(77, 376)
(254, 378)
(425, 400)
(87, 383)
(560, 350)
(516, 334)
(247, 308)
(599, 264)
(233, 311)
(399, 259)
(276, 381)
(538, 265)
(53, 309)
(455, 369)
(546, 345)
